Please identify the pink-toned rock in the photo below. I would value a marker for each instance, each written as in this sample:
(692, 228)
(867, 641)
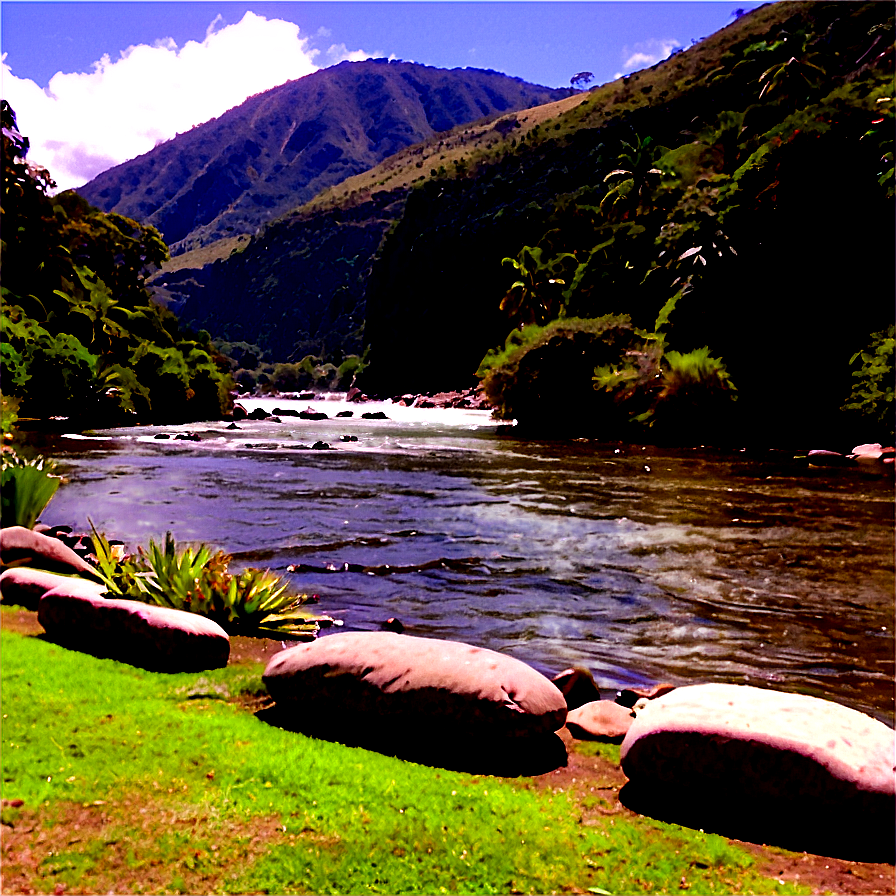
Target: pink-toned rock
(577, 686)
(25, 547)
(25, 586)
(383, 679)
(144, 635)
(630, 696)
(765, 765)
(603, 720)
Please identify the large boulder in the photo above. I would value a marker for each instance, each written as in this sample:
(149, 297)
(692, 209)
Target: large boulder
(156, 638)
(25, 547)
(25, 586)
(767, 766)
(441, 702)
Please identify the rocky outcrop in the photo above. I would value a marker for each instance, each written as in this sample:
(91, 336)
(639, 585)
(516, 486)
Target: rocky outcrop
(155, 638)
(768, 766)
(25, 547)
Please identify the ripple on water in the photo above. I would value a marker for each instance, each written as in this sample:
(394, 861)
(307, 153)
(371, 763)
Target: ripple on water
(709, 566)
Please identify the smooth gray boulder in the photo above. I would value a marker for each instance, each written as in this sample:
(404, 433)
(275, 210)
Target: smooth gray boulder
(400, 678)
(25, 547)
(25, 586)
(768, 766)
(156, 638)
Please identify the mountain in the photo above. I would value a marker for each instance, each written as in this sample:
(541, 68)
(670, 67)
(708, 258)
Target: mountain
(750, 176)
(280, 148)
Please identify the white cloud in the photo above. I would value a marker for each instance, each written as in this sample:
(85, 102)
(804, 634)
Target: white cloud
(645, 54)
(85, 122)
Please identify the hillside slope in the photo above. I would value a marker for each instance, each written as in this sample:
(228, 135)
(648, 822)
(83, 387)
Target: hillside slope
(280, 148)
(772, 212)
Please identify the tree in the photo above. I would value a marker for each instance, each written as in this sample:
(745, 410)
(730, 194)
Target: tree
(581, 80)
(77, 319)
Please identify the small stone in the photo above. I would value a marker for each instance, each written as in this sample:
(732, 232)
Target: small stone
(577, 686)
(603, 720)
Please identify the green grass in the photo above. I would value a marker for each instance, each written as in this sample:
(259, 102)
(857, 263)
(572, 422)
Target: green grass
(145, 782)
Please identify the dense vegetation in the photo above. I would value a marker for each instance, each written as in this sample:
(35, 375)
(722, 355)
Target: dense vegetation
(747, 180)
(81, 336)
(281, 147)
(722, 195)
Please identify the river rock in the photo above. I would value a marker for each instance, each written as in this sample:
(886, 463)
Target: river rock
(603, 720)
(577, 686)
(764, 765)
(24, 547)
(156, 638)
(25, 586)
(419, 686)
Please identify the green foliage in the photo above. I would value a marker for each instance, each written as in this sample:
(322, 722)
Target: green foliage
(252, 602)
(26, 488)
(539, 374)
(77, 319)
(872, 394)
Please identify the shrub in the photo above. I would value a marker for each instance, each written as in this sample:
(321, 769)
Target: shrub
(543, 374)
(26, 487)
(253, 602)
(872, 394)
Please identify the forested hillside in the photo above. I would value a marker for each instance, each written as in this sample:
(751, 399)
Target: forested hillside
(281, 147)
(733, 205)
(82, 338)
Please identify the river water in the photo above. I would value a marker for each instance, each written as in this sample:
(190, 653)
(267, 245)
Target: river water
(640, 564)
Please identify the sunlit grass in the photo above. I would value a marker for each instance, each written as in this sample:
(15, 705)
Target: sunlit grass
(177, 789)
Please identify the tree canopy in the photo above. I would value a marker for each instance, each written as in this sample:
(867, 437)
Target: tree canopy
(82, 336)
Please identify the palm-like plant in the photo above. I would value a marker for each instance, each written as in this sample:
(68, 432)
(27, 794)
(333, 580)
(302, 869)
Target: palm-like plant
(536, 296)
(633, 180)
(253, 602)
(26, 487)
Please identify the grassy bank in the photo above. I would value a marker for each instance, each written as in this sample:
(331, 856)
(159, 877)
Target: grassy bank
(133, 782)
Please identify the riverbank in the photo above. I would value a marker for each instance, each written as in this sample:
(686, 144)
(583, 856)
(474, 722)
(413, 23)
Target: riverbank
(51, 845)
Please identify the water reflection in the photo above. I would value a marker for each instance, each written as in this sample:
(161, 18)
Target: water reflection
(640, 564)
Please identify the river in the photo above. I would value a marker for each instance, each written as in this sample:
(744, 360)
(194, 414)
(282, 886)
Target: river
(638, 563)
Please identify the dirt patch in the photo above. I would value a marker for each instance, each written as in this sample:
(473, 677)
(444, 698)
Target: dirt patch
(126, 848)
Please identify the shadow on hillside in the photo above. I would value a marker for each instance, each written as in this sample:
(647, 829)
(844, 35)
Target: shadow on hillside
(509, 757)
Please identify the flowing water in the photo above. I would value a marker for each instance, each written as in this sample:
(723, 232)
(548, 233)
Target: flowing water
(637, 563)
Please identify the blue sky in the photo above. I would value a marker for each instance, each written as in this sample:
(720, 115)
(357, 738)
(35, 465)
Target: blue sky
(96, 83)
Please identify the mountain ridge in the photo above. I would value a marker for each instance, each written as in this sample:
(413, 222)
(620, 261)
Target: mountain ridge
(280, 148)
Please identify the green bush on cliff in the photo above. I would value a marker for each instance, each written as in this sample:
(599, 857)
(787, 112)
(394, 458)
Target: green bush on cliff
(872, 393)
(543, 374)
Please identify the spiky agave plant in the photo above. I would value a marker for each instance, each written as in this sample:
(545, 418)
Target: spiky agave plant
(26, 488)
(253, 602)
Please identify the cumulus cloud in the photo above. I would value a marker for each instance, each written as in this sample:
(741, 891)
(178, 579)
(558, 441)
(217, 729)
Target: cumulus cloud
(645, 54)
(86, 122)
